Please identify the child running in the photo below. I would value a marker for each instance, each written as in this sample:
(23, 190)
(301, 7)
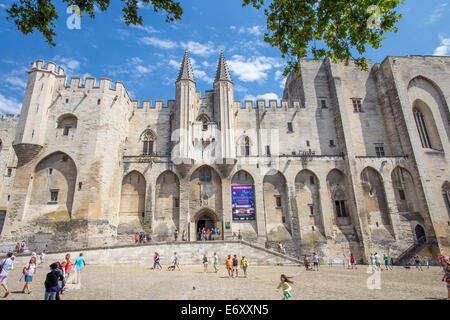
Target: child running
(285, 286)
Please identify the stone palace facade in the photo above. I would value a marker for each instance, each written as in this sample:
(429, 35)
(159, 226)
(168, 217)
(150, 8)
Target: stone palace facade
(348, 160)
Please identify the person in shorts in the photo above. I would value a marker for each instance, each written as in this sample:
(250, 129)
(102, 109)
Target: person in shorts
(28, 273)
(315, 261)
(205, 263)
(216, 263)
(229, 265)
(446, 277)
(235, 266)
(6, 265)
(244, 265)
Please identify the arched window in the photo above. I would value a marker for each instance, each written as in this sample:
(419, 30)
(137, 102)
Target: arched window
(205, 121)
(148, 140)
(422, 128)
(340, 203)
(245, 146)
(66, 123)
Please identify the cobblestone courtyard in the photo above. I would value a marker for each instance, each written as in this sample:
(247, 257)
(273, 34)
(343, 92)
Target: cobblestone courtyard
(138, 282)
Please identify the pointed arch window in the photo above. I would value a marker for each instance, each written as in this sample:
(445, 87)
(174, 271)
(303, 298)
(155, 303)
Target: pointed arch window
(205, 122)
(205, 175)
(148, 140)
(340, 204)
(422, 128)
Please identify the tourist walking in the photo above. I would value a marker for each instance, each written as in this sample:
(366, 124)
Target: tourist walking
(28, 273)
(377, 261)
(426, 262)
(386, 263)
(175, 235)
(80, 263)
(352, 261)
(52, 282)
(61, 281)
(176, 261)
(229, 265)
(136, 238)
(235, 266)
(244, 265)
(156, 261)
(5, 266)
(67, 265)
(315, 262)
(446, 276)
(285, 286)
(216, 263)
(42, 257)
(306, 262)
(418, 263)
(205, 263)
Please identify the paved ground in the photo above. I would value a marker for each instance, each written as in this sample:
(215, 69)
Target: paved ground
(138, 282)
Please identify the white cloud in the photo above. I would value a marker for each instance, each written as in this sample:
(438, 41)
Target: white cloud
(174, 64)
(16, 82)
(444, 48)
(252, 69)
(9, 105)
(69, 65)
(437, 13)
(200, 49)
(148, 29)
(255, 30)
(201, 75)
(265, 96)
(159, 43)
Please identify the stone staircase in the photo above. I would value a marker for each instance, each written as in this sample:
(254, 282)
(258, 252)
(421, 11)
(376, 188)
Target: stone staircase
(190, 253)
(414, 249)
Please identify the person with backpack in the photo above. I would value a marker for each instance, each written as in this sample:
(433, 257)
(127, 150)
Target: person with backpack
(5, 266)
(28, 273)
(51, 282)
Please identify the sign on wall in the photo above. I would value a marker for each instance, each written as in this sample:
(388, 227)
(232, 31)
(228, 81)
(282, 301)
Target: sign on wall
(243, 202)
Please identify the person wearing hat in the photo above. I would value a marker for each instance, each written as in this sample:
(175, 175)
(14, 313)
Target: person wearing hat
(51, 282)
(244, 264)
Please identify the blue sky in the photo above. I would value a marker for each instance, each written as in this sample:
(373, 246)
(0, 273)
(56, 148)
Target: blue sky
(147, 58)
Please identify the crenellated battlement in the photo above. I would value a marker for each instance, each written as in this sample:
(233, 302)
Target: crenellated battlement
(49, 67)
(149, 105)
(272, 105)
(9, 117)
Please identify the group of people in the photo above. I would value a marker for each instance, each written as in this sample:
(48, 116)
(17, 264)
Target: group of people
(376, 263)
(209, 234)
(20, 247)
(142, 237)
(307, 262)
(55, 280)
(239, 236)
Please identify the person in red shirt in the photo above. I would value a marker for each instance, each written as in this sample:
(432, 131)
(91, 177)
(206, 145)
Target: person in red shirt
(67, 265)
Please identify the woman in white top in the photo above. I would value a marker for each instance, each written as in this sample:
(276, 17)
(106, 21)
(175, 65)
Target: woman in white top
(5, 266)
(28, 273)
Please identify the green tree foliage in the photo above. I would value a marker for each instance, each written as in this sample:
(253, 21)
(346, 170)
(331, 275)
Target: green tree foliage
(41, 14)
(344, 26)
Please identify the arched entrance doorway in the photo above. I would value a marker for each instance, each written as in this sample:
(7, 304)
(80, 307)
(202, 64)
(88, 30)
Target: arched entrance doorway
(207, 220)
(420, 234)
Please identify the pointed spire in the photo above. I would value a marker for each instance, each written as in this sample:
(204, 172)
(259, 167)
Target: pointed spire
(222, 73)
(186, 72)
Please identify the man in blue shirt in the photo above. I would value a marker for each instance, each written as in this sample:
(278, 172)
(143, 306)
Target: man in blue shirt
(80, 263)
